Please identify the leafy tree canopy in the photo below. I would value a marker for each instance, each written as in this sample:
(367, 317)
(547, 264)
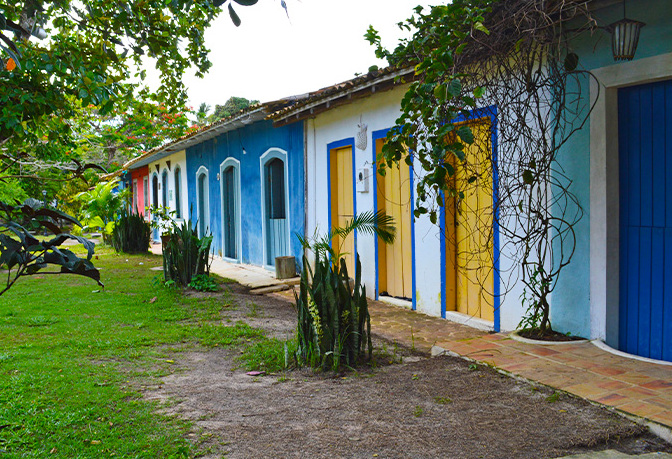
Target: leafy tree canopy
(230, 107)
(90, 53)
(130, 129)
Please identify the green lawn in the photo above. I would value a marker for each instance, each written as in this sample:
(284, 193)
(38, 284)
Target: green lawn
(73, 357)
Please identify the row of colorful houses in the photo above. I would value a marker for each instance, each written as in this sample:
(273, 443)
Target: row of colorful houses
(304, 164)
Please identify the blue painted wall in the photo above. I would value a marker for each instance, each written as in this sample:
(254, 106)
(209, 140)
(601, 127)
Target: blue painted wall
(256, 138)
(570, 310)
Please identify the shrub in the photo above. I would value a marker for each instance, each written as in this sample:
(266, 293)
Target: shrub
(185, 255)
(203, 283)
(131, 233)
(334, 326)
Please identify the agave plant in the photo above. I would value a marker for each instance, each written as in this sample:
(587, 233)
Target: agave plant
(131, 233)
(185, 255)
(334, 326)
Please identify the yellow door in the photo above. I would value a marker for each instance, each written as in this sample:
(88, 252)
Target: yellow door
(469, 230)
(395, 261)
(342, 203)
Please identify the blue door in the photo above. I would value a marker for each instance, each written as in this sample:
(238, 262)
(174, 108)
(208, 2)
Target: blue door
(645, 164)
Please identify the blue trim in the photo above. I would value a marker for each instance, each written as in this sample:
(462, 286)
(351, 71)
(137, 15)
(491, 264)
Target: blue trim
(413, 284)
(442, 239)
(349, 142)
(375, 135)
(489, 112)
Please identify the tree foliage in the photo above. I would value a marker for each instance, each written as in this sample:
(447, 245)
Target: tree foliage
(130, 129)
(230, 107)
(93, 51)
(22, 254)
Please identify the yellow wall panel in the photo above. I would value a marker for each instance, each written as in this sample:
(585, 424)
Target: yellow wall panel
(395, 261)
(342, 202)
(469, 248)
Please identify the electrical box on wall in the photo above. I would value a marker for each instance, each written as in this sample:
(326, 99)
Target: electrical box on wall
(362, 180)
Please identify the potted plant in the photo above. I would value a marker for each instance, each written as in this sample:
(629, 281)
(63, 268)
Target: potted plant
(161, 221)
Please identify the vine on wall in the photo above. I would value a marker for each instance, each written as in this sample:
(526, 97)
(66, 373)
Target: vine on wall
(509, 61)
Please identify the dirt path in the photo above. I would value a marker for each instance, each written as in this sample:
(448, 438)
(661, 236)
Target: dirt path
(422, 408)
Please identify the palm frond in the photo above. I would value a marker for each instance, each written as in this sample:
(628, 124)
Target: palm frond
(374, 223)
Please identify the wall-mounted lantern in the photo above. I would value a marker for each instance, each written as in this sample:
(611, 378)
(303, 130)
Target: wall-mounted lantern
(625, 37)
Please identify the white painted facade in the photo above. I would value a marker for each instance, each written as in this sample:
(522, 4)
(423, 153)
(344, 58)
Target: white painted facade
(170, 164)
(379, 111)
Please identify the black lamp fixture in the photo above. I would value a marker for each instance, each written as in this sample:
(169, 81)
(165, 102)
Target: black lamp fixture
(625, 37)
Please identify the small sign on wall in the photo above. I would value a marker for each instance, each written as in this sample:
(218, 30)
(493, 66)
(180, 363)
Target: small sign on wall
(362, 184)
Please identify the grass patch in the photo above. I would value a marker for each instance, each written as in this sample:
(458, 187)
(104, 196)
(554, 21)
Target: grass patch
(269, 354)
(73, 355)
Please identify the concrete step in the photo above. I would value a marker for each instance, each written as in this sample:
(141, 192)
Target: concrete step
(269, 289)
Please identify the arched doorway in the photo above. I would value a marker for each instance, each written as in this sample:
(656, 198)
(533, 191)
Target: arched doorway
(230, 180)
(275, 221)
(202, 201)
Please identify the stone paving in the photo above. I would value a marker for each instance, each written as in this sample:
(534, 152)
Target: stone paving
(634, 387)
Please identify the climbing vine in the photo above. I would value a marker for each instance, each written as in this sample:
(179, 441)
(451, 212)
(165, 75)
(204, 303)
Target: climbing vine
(505, 67)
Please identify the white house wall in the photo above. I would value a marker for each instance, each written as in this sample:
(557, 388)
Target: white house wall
(157, 167)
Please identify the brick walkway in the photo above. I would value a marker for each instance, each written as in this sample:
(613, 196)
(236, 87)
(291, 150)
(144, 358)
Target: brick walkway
(635, 387)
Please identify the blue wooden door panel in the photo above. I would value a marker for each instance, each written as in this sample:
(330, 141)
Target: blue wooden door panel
(633, 149)
(645, 157)
(644, 309)
(668, 164)
(658, 149)
(667, 297)
(657, 291)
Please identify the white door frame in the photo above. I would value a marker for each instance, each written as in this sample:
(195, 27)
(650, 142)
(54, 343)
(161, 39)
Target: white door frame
(605, 189)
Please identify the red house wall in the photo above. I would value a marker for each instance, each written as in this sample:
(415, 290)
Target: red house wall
(139, 175)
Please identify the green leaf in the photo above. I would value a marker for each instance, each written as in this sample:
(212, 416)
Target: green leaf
(479, 26)
(234, 16)
(528, 177)
(455, 87)
(465, 134)
(440, 92)
(479, 92)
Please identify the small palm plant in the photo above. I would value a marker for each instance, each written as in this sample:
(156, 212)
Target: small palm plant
(101, 206)
(334, 326)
